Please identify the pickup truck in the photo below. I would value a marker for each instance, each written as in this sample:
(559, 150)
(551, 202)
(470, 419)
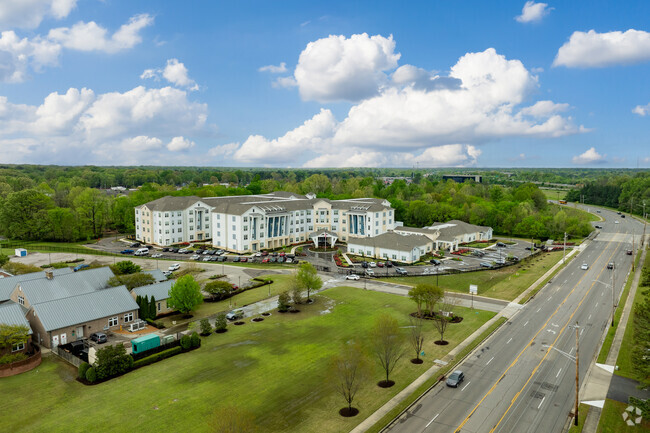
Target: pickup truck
(126, 252)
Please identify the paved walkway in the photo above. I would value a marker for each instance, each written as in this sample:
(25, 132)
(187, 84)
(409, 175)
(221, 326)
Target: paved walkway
(506, 312)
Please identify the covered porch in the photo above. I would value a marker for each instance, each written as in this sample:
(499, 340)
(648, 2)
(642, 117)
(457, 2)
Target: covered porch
(323, 239)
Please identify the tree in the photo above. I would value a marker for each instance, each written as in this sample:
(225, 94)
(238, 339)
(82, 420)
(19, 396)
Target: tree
(143, 307)
(4, 259)
(12, 334)
(91, 206)
(416, 338)
(641, 348)
(431, 295)
(218, 289)
(387, 345)
(441, 319)
(125, 267)
(18, 268)
(233, 419)
(296, 291)
(417, 295)
(112, 361)
(349, 368)
(307, 278)
(206, 328)
(220, 323)
(152, 307)
(185, 294)
(283, 302)
(131, 281)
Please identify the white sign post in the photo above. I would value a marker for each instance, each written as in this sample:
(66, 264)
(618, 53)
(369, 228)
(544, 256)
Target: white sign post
(473, 290)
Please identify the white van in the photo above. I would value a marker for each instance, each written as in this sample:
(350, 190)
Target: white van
(142, 252)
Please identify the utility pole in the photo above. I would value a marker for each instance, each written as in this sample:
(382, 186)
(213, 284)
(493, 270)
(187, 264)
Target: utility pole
(564, 251)
(575, 419)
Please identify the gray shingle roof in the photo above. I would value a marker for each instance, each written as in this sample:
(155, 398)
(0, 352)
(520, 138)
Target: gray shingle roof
(392, 240)
(85, 307)
(13, 314)
(453, 228)
(157, 274)
(8, 284)
(65, 286)
(159, 290)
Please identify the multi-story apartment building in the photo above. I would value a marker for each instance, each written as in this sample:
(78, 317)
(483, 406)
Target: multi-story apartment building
(265, 221)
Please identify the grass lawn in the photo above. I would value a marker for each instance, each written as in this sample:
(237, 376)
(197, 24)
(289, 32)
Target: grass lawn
(504, 283)
(624, 360)
(552, 194)
(280, 284)
(583, 410)
(276, 369)
(611, 419)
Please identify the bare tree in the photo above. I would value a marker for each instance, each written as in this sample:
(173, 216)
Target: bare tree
(387, 343)
(350, 369)
(416, 338)
(442, 318)
(232, 419)
(431, 295)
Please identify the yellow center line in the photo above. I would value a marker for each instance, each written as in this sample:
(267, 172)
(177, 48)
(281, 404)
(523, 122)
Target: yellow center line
(526, 347)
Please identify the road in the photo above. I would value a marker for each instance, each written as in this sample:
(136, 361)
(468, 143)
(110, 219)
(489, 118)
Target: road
(522, 379)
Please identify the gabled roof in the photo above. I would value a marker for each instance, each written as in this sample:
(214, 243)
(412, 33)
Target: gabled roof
(172, 203)
(12, 314)
(8, 284)
(84, 308)
(65, 286)
(453, 228)
(393, 241)
(159, 290)
(157, 274)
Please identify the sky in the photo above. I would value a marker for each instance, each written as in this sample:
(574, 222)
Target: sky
(325, 84)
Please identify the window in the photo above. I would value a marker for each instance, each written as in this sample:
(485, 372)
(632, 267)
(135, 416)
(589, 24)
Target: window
(218, 234)
(191, 220)
(376, 231)
(218, 216)
(166, 232)
(245, 237)
(166, 223)
(233, 219)
(234, 237)
(18, 346)
(191, 237)
(128, 317)
(245, 228)
(191, 228)
(376, 223)
(179, 214)
(245, 219)
(394, 256)
(218, 225)
(180, 222)
(113, 321)
(166, 214)
(21, 300)
(159, 304)
(207, 219)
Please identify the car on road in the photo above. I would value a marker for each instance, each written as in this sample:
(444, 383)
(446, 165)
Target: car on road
(598, 226)
(235, 314)
(167, 273)
(598, 211)
(174, 267)
(401, 271)
(622, 216)
(616, 222)
(126, 252)
(610, 265)
(98, 337)
(584, 267)
(156, 256)
(629, 252)
(352, 277)
(455, 379)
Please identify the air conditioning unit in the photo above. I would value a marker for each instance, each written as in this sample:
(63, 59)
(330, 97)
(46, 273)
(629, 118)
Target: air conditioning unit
(137, 325)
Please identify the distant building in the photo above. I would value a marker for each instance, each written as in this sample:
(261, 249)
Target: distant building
(390, 179)
(460, 178)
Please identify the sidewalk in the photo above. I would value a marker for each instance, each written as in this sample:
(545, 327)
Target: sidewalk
(507, 312)
(598, 380)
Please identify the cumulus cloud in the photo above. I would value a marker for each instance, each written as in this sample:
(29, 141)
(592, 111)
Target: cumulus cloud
(175, 72)
(28, 14)
(180, 144)
(418, 110)
(19, 56)
(141, 143)
(588, 157)
(282, 68)
(594, 50)
(641, 110)
(339, 68)
(533, 12)
(92, 37)
(224, 150)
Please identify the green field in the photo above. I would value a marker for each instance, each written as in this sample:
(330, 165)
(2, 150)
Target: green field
(611, 419)
(554, 194)
(504, 283)
(276, 369)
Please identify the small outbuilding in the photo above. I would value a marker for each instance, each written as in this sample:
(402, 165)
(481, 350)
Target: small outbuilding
(20, 252)
(145, 343)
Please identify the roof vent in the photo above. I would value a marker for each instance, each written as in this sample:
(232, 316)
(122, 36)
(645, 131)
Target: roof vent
(49, 275)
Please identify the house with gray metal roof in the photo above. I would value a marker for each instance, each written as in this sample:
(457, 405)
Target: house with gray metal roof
(156, 274)
(13, 315)
(405, 248)
(8, 284)
(159, 291)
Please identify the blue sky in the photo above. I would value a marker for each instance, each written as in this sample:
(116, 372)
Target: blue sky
(338, 84)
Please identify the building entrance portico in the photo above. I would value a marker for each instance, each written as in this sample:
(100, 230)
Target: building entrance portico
(323, 239)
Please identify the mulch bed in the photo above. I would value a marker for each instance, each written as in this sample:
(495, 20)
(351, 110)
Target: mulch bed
(441, 343)
(239, 323)
(385, 383)
(417, 361)
(348, 412)
(266, 314)
(220, 331)
(257, 319)
(294, 311)
(455, 319)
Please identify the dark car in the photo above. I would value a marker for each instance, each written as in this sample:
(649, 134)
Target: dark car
(135, 245)
(236, 259)
(598, 226)
(80, 267)
(77, 346)
(610, 265)
(478, 253)
(199, 251)
(455, 379)
(628, 252)
(389, 264)
(98, 337)
(364, 265)
(166, 249)
(174, 250)
(273, 259)
(501, 245)
(126, 252)
(435, 262)
(265, 253)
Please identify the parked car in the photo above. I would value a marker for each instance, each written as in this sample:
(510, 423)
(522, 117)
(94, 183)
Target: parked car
(455, 379)
(281, 259)
(175, 250)
(265, 253)
(435, 262)
(243, 259)
(352, 277)
(126, 252)
(401, 271)
(389, 264)
(622, 215)
(598, 226)
(195, 257)
(610, 265)
(380, 264)
(174, 267)
(206, 258)
(501, 245)
(166, 250)
(235, 314)
(80, 267)
(486, 265)
(258, 254)
(167, 273)
(500, 261)
(156, 256)
(219, 252)
(616, 222)
(288, 260)
(236, 259)
(370, 272)
(598, 211)
(584, 267)
(372, 264)
(478, 253)
(273, 259)
(98, 337)
(364, 265)
(135, 245)
(182, 251)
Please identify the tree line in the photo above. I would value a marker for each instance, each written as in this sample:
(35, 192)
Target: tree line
(626, 192)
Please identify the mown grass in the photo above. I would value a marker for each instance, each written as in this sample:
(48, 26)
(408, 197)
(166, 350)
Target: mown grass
(583, 410)
(611, 419)
(504, 283)
(276, 369)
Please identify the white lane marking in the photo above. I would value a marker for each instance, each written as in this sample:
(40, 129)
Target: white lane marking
(432, 420)
(541, 402)
(565, 281)
(557, 290)
(602, 293)
(466, 386)
(549, 298)
(509, 340)
(538, 309)
(526, 323)
(582, 330)
(558, 373)
(572, 349)
(489, 361)
(589, 318)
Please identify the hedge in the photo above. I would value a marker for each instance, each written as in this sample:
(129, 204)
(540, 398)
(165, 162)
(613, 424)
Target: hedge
(83, 369)
(157, 357)
(91, 376)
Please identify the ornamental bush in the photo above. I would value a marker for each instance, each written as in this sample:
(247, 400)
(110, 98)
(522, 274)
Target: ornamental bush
(206, 328)
(83, 368)
(220, 323)
(186, 342)
(195, 340)
(91, 376)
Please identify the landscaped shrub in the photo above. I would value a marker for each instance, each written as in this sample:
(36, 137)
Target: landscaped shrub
(186, 342)
(157, 323)
(91, 375)
(83, 368)
(195, 340)
(206, 328)
(220, 323)
(112, 361)
(10, 359)
(283, 302)
(157, 357)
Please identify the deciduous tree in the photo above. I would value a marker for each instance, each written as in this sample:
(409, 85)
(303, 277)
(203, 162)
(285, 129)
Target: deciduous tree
(185, 294)
(307, 278)
(387, 344)
(349, 369)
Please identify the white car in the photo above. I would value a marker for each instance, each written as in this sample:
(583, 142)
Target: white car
(370, 272)
(156, 256)
(183, 251)
(584, 267)
(372, 264)
(206, 259)
(352, 277)
(257, 255)
(195, 257)
(167, 273)
(616, 222)
(174, 267)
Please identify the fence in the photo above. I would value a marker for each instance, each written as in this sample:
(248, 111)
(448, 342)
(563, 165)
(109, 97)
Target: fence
(31, 245)
(33, 361)
(67, 356)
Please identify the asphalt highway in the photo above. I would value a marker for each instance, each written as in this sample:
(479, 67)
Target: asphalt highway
(522, 379)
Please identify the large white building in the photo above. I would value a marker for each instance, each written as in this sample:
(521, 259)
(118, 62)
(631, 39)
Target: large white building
(265, 221)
